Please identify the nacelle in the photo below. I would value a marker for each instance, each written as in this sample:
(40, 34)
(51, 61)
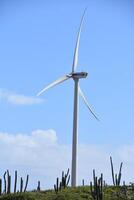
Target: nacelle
(79, 75)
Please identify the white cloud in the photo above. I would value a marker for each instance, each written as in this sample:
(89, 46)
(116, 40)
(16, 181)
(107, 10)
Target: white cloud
(18, 99)
(37, 153)
(127, 153)
(41, 156)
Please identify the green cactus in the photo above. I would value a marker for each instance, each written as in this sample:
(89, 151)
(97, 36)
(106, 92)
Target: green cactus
(15, 182)
(25, 188)
(57, 186)
(38, 187)
(116, 178)
(63, 183)
(83, 182)
(5, 185)
(21, 185)
(8, 182)
(97, 187)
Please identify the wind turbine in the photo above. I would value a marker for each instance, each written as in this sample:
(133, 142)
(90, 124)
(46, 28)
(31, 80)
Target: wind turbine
(77, 91)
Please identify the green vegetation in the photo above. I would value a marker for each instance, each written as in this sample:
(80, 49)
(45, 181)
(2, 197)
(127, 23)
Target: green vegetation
(78, 193)
(97, 190)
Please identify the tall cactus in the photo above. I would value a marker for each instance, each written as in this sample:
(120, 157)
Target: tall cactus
(8, 182)
(5, 183)
(119, 175)
(112, 170)
(15, 182)
(25, 188)
(21, 185)
(83, 182)
(116, 177)
(63, 183)
(97, 187)
(38, 187)
(57, 186)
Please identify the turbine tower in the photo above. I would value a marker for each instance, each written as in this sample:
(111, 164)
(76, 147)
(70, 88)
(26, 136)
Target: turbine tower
(77, 91)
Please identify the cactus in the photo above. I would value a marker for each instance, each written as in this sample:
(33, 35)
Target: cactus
(116, 178)
(38, 187)
(65, 179)
(119, 175)
(8, 182)
(26, 183)
(83, 182)
(57, 186)
(15, 182)
(97, 187)
(63, 183)
(112, 169)
(4, 176)
(21, 185)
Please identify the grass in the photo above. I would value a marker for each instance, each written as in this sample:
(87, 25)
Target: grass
(78, 193)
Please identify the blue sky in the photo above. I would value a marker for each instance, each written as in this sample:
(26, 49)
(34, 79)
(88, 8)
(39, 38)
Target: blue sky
(36, 47)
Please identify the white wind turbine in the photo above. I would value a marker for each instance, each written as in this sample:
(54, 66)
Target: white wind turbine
(75, 76)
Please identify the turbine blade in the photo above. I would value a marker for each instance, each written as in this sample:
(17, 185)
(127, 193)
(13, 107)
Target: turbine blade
(76, 51)
(86, 102)
(58, 81)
